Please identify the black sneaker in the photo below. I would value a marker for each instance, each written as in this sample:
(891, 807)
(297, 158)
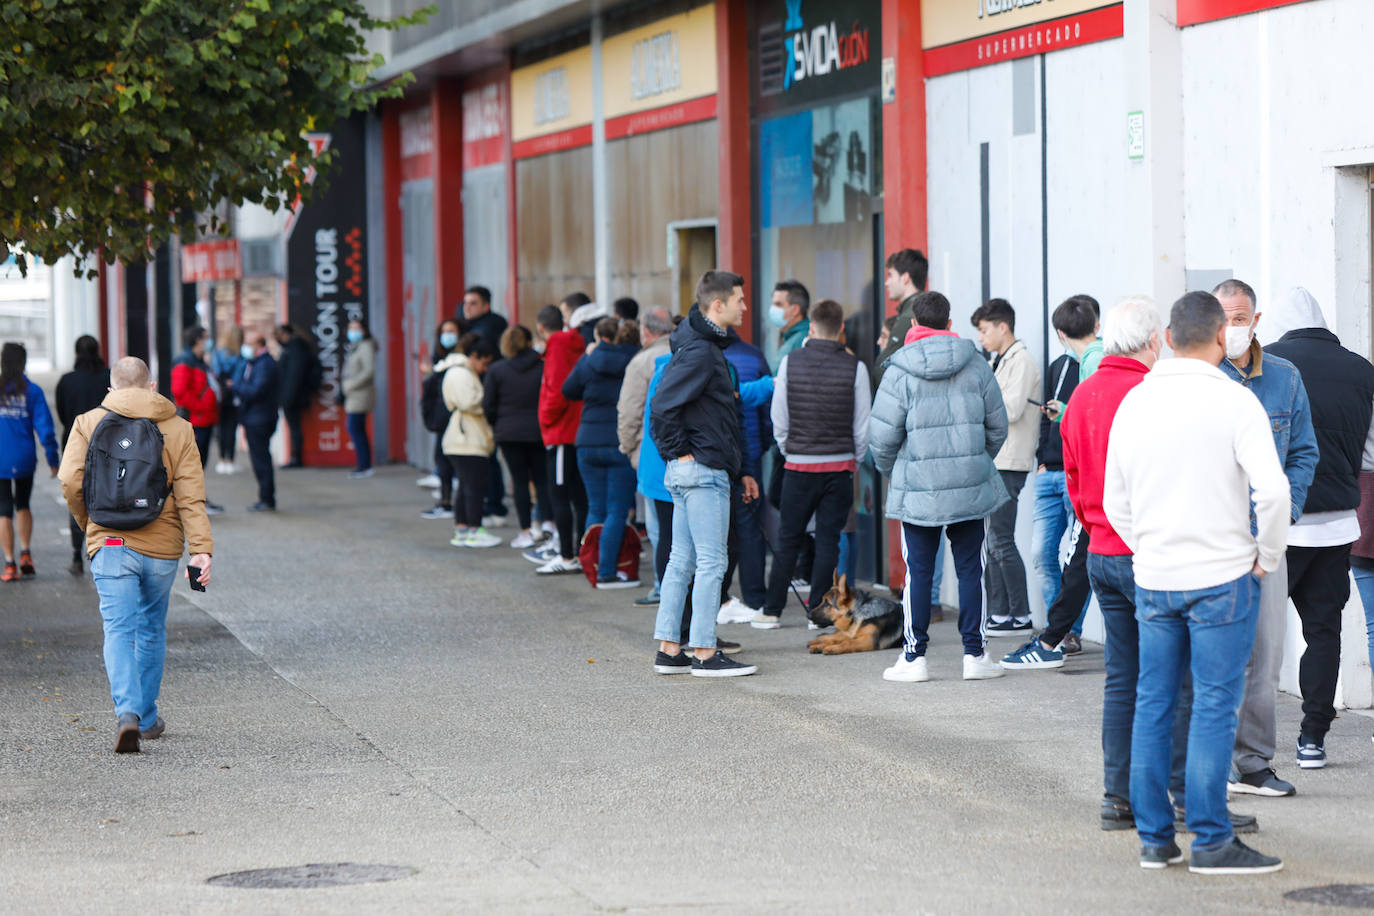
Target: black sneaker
(1262, 782)
(718, 665)
(1116, 814)
(1009, 627)
(126, 738)
(1240, 823)
(1160, 856)
(1235, 858)
(672, 664)
(264, 506)
(726, 646)
(1311, 753)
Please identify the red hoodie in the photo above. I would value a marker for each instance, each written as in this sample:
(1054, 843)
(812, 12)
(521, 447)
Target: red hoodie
(921, 332)
(559, 417)
(1085, 429)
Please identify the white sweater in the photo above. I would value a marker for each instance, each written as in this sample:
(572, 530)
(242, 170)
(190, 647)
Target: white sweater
(1189, 450)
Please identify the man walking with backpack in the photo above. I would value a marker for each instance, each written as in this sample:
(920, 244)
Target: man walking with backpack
(132, 477)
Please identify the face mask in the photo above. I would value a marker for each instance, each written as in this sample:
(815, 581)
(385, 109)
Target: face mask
(246, 351)
(776, 316)
(354, 335)
(1238, 340)
(448, 340)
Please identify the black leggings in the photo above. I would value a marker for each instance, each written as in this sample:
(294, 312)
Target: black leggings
(14, 495)
(472, 489)
(228, 430)
(444, 469)
(569, 499)
(528, 466)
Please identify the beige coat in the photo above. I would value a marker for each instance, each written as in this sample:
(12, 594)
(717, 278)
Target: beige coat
(359, 386)
(629, 410)
(183, 519)
(468, 432)
(1019, 378)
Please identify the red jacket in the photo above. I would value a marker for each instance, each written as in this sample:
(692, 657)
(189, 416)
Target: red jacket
(559, 417)
(191, 390)
(1085, 430)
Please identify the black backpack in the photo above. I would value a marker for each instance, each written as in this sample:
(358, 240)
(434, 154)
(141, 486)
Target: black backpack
(125, 483)
(433, 410)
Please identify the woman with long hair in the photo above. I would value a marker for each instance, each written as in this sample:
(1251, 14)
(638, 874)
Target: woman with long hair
(511, 403)
(227, 363)
(78, 391)
(446, 338)
(360, 392)
(23, 413)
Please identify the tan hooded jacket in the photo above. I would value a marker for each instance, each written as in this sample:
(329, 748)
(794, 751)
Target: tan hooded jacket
(183, 520)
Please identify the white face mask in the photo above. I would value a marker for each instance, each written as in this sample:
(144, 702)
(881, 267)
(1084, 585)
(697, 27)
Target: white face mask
(1238, 340)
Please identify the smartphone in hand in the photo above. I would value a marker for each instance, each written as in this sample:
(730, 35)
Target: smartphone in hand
(193, 573)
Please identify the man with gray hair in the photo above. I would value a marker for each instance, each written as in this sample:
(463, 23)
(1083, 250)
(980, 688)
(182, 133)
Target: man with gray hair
(134, 565)
(1189, 453)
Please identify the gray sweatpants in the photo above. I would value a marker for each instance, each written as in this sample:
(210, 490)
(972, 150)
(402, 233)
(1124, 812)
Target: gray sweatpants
(1256, 732)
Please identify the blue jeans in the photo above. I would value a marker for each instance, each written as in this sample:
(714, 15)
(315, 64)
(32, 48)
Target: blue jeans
(701, 529)
(1113, 582)
(1364, 583)
(610, 483)
(920, 545)
(133, 591)
(1053, 514)
(1209, 631)
(357, 431)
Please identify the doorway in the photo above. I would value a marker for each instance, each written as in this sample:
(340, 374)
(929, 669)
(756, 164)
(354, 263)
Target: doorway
(691, 252)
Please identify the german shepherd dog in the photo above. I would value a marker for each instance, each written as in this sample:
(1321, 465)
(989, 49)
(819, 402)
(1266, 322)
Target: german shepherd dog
(862, 622)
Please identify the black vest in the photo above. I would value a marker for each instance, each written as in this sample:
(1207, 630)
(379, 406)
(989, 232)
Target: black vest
(820, 399)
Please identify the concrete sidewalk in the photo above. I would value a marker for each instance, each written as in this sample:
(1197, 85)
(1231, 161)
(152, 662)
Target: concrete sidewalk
(352, 689)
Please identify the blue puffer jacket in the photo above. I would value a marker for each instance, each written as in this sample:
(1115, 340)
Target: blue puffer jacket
(652, 467)
(596, 380)
(937, 422)
(22, 415)
(750, 365)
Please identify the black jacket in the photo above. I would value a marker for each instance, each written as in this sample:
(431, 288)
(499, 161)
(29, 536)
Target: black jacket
(1340, 388)
(511, 397)
(258, 393)
(292, 370)
(490, 326)
(1059, 385)
(696, 408)
(596, 381)
(77, 392)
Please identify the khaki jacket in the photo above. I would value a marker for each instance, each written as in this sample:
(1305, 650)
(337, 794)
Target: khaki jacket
(359, 386)
(468, 432)
(183, 520)
(629, 410)
(1019, 378)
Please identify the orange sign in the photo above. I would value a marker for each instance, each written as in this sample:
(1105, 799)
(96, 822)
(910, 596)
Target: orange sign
(217, 260)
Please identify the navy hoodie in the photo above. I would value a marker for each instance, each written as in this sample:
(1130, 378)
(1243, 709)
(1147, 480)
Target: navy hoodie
(595, 381)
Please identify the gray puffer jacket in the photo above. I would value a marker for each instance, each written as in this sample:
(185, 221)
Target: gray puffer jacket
(937, 422)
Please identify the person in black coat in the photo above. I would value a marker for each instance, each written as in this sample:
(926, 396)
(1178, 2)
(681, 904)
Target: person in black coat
(294, 393)
(259, 395)
(478, 318)
(511, 403)
(78, 391)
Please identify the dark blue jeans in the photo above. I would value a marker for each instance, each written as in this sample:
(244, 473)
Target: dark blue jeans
(748, 550)
(357, 431)
(919, 548)
(1210, 632)
(260, 453)
(610, 483)
(1113, 581)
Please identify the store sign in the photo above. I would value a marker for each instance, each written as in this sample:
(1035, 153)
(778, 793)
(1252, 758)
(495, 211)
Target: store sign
(551, 104)
(210, 261)
(326, 281)
(810, 50)
(822, 50)
(1191, 12)
(660, 75)
(963, 34)
(485, 114)
(417, 143)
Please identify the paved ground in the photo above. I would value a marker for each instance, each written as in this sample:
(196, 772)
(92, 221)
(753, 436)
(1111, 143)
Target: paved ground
(353, 689)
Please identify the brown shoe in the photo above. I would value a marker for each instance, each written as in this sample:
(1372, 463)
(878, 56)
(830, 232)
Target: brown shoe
(1072, 645)
(937, 613)
(126, 740)
(155, 732)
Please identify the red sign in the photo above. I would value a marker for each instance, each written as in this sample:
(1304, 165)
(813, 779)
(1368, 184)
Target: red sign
(1191, 12)
(486, 112)
(553, 143)
(1054, 35)
(417, 143)
(642, 122)
(217, 260)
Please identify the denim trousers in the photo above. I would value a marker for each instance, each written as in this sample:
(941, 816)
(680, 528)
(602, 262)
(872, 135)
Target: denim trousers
(1210, 632)
(1006, 573)
(1052, 518)
(1113, 580)
(260, 454)
(134, 590)
(920, 545)
(1364, 582)
(362, 447)
(701, 527)
(610, 483)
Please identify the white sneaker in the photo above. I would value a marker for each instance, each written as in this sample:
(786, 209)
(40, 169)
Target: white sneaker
(981, 668)
(219, 468)
(493, 521)
(913, 671)
(482, 538)
(801, 586)
(524, 539)
(559, 565)
(765, 622)
(437, 512)
(430, 481)
(736, 611)
(813, 626)
(549, 529)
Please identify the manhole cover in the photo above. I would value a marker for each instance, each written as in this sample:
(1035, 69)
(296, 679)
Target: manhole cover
(1358, 896)
(330, 874)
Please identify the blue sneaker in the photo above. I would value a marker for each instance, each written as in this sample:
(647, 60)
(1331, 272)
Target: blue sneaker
(1032, 656)
(1311, 753)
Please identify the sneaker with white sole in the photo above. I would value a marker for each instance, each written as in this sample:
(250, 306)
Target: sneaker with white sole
(1311, 753)
(459, 539)
(1009, 627)
(720, 665)
(1032, 657)
(437, 512)
(672, 664)
(736, 611)
(558, 566)
(480, 537)
(981, 668)
(763, 621)
(1160, 856)
(541, 554)
(616, 580)
(524, 539)
(1261, 782)
(428, 482)
(493, 521)
(908, 670)
(1235, 858)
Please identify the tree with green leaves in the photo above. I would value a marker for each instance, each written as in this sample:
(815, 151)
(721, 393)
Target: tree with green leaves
(121, 120)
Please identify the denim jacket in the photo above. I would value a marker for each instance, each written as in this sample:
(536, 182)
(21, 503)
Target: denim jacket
(1278, 385)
